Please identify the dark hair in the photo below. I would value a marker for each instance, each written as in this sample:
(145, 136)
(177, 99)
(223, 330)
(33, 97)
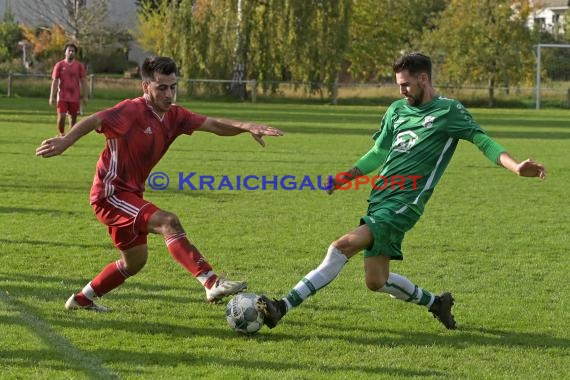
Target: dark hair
(68, 46)
(161, 65)
(415, 63)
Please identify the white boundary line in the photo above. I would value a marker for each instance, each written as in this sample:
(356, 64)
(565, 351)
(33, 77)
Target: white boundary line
(69, 353)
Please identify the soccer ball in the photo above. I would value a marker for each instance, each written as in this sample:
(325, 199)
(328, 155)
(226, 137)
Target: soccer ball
(243, 315)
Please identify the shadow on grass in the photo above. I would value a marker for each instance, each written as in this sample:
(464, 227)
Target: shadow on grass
(534, 135)
(61, 352)
(57, 289)
(56, 244)
(37, 211)
(41, 320)
(535, 123)
(26, 154)
(169, 360)
(43, 359)
(53, 187)
(216, 195)
(25, 280)
(463, 337)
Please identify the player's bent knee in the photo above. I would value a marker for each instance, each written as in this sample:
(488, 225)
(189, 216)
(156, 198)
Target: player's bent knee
(354, 241)
(340, 243)
(134, 266)
(134, 259)
(346, 246)
(170, 223)
(134, 269)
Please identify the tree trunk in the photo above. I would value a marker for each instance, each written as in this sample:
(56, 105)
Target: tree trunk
(492, 91)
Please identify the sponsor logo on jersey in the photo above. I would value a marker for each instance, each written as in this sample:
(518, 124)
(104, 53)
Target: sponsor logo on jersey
(405, 141)
(428, 121)
(148, 131)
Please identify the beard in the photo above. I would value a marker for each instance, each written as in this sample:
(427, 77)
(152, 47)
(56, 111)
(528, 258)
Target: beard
(159, 105)
(415, 100)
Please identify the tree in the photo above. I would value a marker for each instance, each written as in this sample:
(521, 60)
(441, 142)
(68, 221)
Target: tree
(10, 36)
(262, 37)
(555, 61)
(379, 31)
(84, 24)
(206, 35)
(148, 7)
(150, 25)
(66, 13)
(47, 45)
(482, 41)
(320, 39)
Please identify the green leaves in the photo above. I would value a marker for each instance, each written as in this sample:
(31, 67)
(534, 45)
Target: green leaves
(268, 38)
(476, 42)
(482, 42)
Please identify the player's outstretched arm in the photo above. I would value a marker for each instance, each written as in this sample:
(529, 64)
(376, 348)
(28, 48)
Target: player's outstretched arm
(225, 127)
(57, 145)
(526, 168)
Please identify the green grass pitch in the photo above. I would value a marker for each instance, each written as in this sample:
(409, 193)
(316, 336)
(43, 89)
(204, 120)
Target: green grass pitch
(498, 242)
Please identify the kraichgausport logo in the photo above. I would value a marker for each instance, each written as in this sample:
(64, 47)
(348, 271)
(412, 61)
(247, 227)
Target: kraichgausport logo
(251, 182)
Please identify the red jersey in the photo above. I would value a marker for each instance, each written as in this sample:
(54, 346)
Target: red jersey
(69, 75)
(137, 138)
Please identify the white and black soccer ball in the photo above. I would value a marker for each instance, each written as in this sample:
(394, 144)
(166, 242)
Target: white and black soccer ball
(243, 315)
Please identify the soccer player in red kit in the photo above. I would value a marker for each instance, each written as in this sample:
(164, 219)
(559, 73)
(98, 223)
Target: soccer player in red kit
(139, 132)
(68, 81)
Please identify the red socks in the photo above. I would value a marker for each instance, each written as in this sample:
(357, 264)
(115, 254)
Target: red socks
(114, 274)
(190, 258)
(110, 277)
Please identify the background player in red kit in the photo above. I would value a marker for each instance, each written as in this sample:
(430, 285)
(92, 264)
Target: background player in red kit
(68, 81)
(139, 132)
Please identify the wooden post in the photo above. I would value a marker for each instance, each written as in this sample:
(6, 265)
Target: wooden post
(91, 84)
(254, 91)
(9, 93)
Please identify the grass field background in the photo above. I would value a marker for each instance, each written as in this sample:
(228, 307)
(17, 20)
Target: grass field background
(498, 242)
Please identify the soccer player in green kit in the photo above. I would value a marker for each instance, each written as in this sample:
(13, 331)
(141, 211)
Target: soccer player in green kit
(417, 138)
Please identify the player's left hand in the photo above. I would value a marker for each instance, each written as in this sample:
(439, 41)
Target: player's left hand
(258, 131)
(530, 168)
(52, 147)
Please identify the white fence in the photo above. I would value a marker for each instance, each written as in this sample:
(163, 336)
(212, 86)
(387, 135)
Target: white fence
(105, 86)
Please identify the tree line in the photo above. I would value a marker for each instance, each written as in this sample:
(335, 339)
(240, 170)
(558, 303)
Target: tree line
(327, 41)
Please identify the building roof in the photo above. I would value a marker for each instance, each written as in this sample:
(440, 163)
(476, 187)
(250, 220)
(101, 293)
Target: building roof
(552, 3)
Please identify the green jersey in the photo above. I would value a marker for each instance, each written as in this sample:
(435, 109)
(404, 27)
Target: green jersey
(412, 150)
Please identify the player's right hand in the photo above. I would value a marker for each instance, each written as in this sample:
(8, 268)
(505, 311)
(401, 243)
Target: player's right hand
(330, 185)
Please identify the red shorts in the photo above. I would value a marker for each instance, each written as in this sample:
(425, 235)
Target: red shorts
(70, 108)
(126, 215)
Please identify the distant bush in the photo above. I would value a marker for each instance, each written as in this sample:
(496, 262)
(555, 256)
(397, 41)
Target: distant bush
(108, 63)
